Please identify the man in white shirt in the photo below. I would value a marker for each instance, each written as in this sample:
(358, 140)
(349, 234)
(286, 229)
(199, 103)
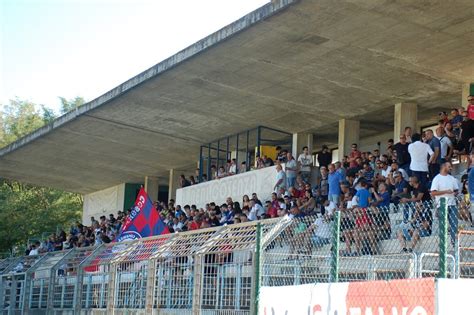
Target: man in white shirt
(305, 161)
(446, 145)
(256, 211)
(232, 167)
(419, 153)
(446, 186)
(385, 169)
(291, 168)
(280, 185)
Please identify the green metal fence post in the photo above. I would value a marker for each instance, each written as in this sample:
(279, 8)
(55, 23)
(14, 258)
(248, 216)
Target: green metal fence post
(443, 238)
(334, 272)
(258, 250)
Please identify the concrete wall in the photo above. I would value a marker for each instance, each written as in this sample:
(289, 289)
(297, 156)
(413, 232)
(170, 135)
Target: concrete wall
(370, 143)
(103, 202)
(258, 181)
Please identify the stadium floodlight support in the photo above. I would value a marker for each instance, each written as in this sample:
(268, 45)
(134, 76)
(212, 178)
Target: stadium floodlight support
(336, 235)
(443, 238)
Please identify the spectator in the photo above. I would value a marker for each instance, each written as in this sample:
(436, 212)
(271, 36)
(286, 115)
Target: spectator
(267, 161)
(245, 201)
(232, 167)
(446, 186)
(384, 168)
(380, 212)
(255, 197)
(243, 167)
(435, 160)
(354, 155)
(221, 173)
(408, 134)
(419, 226)
(452, 135)
(308, 203)
(334, 179)
(470, 107)
(282, 155)
(368, 172)
(34, 249)
(280, 184)
(213, 174)
(256, 211)
(400, 187)
(456, 121)
(402, 154)
(324, 157)
(291, 168)
(192, 181)
(305, 161)
(446, 147)
(390, 148)
(321, 228)
(419, 152)
(467, 131)
(471, 184)
(443, 118)
(183, 182)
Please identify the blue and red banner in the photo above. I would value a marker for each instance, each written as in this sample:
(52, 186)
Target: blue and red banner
(144, 220)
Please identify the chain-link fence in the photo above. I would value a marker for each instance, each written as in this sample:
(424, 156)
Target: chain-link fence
(221, 270)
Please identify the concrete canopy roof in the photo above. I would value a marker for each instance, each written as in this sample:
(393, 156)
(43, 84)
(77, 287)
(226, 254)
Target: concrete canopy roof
(297, 66)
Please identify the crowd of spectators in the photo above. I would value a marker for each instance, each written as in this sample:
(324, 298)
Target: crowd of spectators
(98, 232)
(411, 174)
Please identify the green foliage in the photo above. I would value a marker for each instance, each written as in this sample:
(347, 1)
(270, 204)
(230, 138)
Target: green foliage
(28, 211)
(68, 105)
(18, 119)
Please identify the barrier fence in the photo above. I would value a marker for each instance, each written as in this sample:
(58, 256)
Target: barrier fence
(221, 270)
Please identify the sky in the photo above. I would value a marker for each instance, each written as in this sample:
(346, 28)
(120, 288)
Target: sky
(69, 48)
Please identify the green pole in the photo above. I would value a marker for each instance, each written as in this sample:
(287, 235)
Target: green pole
(336, 234)
(258, 250)
(443, 238)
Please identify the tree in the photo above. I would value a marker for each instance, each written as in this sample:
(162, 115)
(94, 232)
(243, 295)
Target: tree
(18, 119)
(68, 105)
(28, 211)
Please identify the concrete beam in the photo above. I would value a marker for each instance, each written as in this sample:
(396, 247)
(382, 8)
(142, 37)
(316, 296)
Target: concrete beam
(349, 131)
(152, 186)
(405, 115)
(173, 184)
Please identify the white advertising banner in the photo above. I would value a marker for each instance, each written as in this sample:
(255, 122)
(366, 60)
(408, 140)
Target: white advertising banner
(454, 296)
(103, 202)
(258, 181)
(398, 297)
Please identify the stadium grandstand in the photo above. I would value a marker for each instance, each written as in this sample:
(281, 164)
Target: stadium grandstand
(308, 142)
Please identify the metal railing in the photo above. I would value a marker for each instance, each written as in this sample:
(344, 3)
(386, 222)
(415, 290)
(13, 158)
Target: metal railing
(220, 270)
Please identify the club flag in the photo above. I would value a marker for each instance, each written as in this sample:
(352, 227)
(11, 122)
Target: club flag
(143, 221)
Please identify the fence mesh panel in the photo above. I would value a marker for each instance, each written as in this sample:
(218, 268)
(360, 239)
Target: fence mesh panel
(64, 278)
(219, 270)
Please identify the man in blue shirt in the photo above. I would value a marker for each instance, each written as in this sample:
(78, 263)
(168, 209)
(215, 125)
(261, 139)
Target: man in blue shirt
(380, 212)
(363, 195)
(334, 179)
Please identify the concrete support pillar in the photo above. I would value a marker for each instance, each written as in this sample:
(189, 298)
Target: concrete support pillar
(301, 140)
(152, 187)
(173, 184)
(467, 89)
(348, 134)
(405, 115)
